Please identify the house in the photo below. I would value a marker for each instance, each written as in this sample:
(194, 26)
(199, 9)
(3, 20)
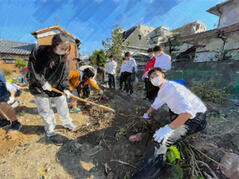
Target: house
(190, 28)
(10, 50)
(228, 13)
(44, 37)
(217, 44)
(137, 38)
(159, 35)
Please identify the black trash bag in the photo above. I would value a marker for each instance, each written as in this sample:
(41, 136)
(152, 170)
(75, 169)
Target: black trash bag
(152, 164)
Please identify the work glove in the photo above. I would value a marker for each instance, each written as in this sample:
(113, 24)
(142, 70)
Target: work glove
(101, 92)
(67, 93)
(146, 116)
(46, 87)
(162, 133)
(11, 100)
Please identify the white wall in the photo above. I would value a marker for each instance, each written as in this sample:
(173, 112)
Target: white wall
(230, 14)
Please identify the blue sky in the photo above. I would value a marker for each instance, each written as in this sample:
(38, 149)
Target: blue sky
(91, 20)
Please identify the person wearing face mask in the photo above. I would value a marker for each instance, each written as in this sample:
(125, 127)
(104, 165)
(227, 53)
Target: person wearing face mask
(188, 116)
(123, 76)
(111, 66)
(150, 90)
(48, 67)
(163, 60)
(131, 69)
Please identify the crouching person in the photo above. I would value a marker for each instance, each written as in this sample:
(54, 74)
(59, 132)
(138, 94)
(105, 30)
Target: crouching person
(7, 113)
(79, 80)
(188, 115)
(48, 67)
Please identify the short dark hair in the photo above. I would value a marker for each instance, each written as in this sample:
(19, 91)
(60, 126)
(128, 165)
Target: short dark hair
(155, 70)
(127, 54)
(111, 56)
(150, 50)
(157, 48)
(88, 72)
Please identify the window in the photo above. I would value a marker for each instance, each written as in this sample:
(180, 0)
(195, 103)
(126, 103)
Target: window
(9, 61)
(139, 37)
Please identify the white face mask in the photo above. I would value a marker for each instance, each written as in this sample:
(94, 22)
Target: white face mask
(158, 54)
(156, 81)
(60, 52)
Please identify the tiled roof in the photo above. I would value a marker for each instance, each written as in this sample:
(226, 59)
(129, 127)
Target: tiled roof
(56, 27)
(18, 48)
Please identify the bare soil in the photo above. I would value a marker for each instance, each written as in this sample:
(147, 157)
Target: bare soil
(99, 148)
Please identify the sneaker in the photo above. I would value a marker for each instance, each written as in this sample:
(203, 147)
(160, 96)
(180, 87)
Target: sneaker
(5, 123)
(16, 126)
(70, 126)
(15, 104)
(132, 95)
(50, 133)
(75, 110)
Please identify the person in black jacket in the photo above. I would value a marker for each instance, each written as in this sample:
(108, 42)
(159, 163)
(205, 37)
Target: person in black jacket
(48, 67)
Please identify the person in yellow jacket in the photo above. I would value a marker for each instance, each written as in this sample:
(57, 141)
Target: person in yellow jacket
(78, 80)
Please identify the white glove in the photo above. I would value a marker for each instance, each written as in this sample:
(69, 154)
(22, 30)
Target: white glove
(11, 100)
(101, 92)
(163, 132)
(46, 87)
(68, 93)
(146, 116)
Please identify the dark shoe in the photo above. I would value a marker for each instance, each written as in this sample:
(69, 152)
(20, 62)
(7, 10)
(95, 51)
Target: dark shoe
(16, 126)
(5, 123)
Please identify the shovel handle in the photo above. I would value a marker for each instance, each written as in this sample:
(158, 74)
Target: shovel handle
(84, 100)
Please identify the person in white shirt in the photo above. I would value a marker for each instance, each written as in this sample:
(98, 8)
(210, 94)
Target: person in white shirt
(123, 75)
(131, 69)
(188, 116)
(111, 71)
(163, 60)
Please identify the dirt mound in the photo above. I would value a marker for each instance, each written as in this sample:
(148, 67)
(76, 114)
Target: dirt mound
(99, 147)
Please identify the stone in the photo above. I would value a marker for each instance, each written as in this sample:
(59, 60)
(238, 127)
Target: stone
(230, 165)
(235, 141)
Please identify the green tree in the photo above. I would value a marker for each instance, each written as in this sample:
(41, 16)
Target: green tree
(98, 58)
(173, 42)
(19, 62)
(114, 45)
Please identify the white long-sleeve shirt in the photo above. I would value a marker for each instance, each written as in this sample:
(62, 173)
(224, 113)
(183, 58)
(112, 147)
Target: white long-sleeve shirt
(164, 62)
(179, 99)
(111, 67)
(123, 67)
(130, 64)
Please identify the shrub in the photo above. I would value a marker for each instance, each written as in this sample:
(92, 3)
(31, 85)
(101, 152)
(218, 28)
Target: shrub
(208, 91)
(19, 62)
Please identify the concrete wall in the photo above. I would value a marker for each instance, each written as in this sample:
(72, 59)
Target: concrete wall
(230, 14)
(214, 48)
